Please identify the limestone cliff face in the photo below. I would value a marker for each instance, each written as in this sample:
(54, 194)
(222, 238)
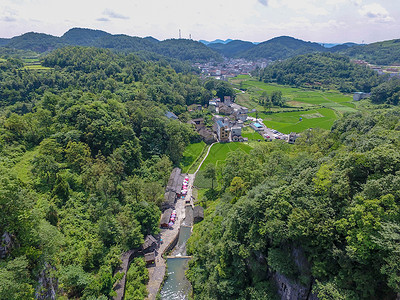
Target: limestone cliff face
(289, 289)
(6, 243)
(47, 284)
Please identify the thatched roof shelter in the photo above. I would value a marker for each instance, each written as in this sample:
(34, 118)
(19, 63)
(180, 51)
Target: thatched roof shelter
(149, 242)
(165, 218)
(150, 258)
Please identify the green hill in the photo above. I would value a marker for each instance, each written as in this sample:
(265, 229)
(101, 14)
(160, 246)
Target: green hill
(187, 50)
(182, 49)
(322, 70)
(38, 42)
(381, 53)
(232, 48)
(281, 48)
(83, 36)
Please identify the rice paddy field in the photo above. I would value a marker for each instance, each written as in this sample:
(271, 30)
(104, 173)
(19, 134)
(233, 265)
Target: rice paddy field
(219, 152)
(190, 155)
(217, 156)
(305, 108)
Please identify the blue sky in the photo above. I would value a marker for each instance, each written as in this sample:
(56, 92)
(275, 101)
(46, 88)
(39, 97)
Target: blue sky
(253, 20)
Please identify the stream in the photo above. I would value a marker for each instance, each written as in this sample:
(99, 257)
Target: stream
(176, 286)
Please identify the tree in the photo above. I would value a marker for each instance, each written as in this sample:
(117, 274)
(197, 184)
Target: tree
(211, 173)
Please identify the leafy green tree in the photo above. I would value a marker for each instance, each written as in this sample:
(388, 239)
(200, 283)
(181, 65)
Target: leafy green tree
(211, 173)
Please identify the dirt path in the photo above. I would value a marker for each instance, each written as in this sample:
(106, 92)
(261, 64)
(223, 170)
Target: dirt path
(198, 168)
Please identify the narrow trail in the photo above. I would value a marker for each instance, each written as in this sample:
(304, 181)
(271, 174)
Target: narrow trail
(169, 236)
(198, 168)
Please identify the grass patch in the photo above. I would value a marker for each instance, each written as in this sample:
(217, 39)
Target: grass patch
(319, 108)
(287, 122)
(219, 153)
(191, 155)
(23, 167)
(201, 182)
(250, 133)
(36, 68)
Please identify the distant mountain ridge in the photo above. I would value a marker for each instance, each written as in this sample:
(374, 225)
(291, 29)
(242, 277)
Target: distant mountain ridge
(232, 48)
(278, 48)
(188, 50)
(217, 41)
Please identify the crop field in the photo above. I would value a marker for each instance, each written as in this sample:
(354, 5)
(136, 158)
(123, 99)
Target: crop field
(250, 133)
(217, 156)
(191, 153)
(36, 67)
(319, 108)
(287, 122)
(219, 152)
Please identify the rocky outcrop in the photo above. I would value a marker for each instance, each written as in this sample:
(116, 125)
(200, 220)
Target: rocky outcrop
(289, 289)
(5, 245)
(47, 284)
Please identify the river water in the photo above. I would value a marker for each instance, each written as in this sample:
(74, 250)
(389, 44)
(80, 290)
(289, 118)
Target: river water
(176, 286)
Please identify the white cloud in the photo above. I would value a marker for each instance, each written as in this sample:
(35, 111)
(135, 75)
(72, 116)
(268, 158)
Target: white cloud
(312, 7)
(375, 13)
(263, 2)
(114, 15)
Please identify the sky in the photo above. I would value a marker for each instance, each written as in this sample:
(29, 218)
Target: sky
(326, 21)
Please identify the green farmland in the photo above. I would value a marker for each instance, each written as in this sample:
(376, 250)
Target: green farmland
(217, 156)
(219, 152)
(190, 155)
(317, 108)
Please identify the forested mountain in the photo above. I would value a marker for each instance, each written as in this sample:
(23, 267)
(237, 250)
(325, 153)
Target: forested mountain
(281, 48)
(317, 219)
(232, 48)
(186, 50)
(381, 53)
(3, 42)
(85, 151)
(322, 69)
(38, 42)
(83, 36)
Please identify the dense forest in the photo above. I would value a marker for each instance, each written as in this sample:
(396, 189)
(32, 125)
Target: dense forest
(322, 70)
(381, 53)
(317, 219)
(85, 153)
(281, 47)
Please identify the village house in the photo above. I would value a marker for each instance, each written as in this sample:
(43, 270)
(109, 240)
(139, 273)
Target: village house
(150, 258)
(171, 115)
(173, 189)
(164, 221)
(223, 131)
(149, 244)
(360, 95)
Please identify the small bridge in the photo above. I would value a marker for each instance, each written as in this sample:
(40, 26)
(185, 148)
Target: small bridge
(179, 256)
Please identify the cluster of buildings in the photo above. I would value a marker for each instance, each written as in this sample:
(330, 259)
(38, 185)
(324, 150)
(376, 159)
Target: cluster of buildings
(224, 129)
(230, 67)
(392, 71)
